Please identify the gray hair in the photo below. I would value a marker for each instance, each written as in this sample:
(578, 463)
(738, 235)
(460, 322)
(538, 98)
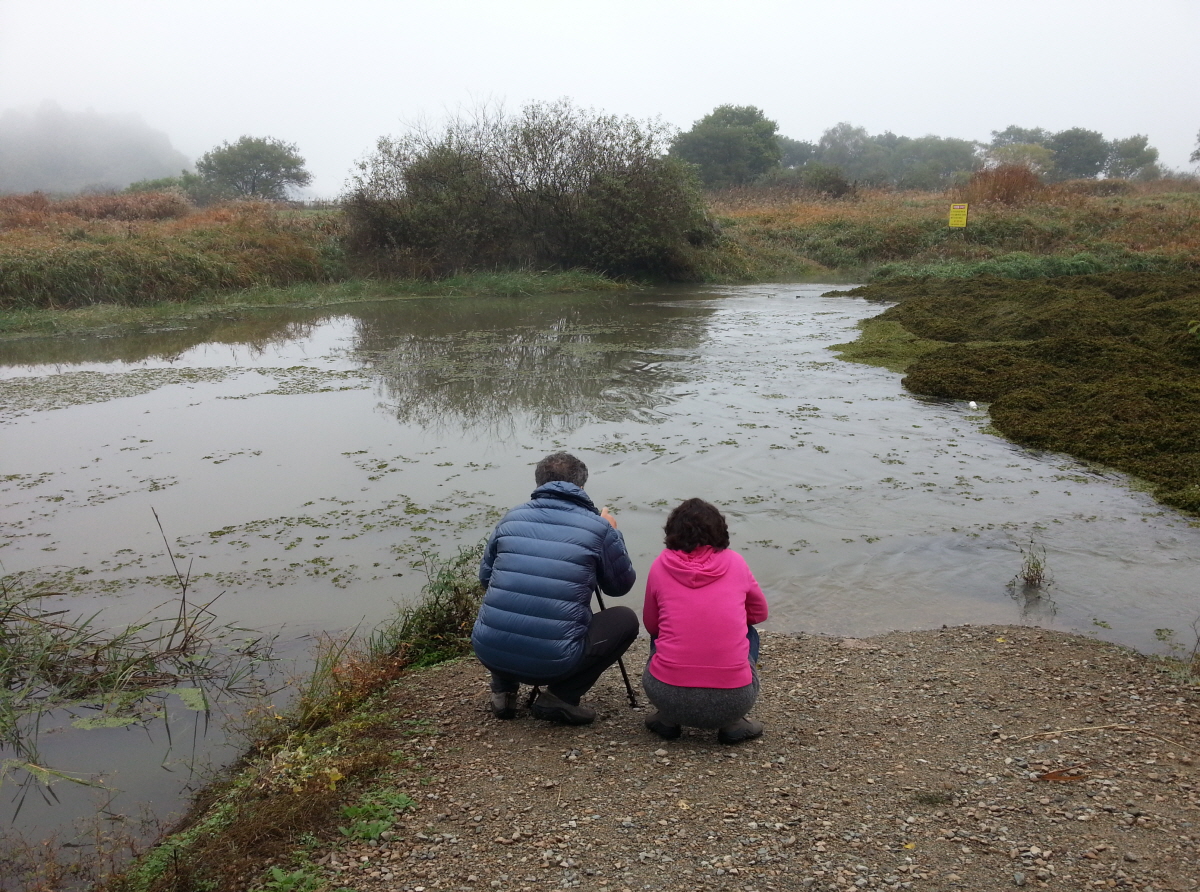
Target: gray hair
(560, 466)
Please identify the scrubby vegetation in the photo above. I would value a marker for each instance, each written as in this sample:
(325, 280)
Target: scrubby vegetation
(432, 214)
(310, 764)
(552, 186)
(1013, 232)
(146, 247)
(1099, 366)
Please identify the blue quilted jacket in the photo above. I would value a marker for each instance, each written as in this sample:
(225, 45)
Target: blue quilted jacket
(539, 569)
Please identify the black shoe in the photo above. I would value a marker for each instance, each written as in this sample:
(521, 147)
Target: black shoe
(554, 709)
(742, 729)
(661, 728)
(504, 705)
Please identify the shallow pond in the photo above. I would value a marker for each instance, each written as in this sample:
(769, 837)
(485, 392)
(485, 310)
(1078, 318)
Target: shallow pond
(304, 460)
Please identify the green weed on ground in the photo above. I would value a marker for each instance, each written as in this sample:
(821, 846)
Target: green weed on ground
(1101, 367)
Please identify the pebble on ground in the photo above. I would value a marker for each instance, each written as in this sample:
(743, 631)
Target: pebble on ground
(970, 758)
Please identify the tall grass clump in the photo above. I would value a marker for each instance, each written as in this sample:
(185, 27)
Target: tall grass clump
(1003, 184)
(552, 186)
(435, 629)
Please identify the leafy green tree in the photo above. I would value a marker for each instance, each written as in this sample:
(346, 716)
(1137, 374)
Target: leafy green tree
(930, 162)
(1037, 158)
(1078, 153)
(1195, 156)
(254, 167)
(1131, 157)
(794, 152)
(730, 146)
(1012, 135)
(854, 152)
(926, 162)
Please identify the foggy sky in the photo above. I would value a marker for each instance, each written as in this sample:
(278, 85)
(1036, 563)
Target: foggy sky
(333, 75)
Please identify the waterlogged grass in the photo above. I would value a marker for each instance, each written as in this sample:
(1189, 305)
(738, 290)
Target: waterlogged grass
(1023, 265)
(1102, 367)
(51, 661)
(885, 343)
(235, 304)
(314, 765)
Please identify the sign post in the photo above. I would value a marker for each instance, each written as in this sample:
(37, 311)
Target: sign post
(958, 216)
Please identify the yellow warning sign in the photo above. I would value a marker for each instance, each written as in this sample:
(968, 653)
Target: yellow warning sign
(958, 216)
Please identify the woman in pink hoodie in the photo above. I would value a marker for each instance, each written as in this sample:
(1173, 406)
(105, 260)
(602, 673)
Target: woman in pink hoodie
(701, 605)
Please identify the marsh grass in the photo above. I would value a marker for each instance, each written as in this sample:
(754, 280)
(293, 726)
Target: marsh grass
(69, 254)
(1033, 574)
(1099, 366)
(52, 661)
(148, 251)
(96, 849)
(437, 628)
(304, 765)
(34, 321)
(1066, 228)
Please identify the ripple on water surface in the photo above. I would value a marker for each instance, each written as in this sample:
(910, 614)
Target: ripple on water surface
(305, 461)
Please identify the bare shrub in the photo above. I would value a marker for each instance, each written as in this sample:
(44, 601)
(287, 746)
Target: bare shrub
(550, 186)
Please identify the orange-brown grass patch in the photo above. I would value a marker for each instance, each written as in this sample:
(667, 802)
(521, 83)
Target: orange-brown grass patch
(1003, 184)
(1130, 226)
(36, 210)
(57, 259)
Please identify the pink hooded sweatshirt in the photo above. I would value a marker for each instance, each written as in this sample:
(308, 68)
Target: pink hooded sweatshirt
(699, 606)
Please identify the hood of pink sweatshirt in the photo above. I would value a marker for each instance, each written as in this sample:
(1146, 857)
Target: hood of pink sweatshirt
(698, 568)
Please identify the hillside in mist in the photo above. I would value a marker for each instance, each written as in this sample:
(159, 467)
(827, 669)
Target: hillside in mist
(58, 151)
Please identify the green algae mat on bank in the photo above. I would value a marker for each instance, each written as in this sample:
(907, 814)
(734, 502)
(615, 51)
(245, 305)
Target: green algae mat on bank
(1103, 367)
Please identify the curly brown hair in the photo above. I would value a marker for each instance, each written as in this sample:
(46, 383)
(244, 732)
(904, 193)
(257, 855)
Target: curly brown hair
(693, 524)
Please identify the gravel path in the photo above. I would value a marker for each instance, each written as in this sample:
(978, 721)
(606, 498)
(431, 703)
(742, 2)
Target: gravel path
(926, 760)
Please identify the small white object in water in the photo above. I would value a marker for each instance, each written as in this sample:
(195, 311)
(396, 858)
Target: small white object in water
(972, 405)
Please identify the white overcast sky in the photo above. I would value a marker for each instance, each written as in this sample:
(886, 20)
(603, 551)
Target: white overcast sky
(333, 75)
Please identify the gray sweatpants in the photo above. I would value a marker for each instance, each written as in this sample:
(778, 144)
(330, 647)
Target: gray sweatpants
(700, 707)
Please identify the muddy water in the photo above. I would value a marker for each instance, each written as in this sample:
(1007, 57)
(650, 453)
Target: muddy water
(304, 461)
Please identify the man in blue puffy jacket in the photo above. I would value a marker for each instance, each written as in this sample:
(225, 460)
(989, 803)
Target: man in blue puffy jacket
(540, 567)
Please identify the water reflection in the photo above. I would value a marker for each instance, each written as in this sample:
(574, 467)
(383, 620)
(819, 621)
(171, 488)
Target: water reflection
(543, 367)
(166, 343)
(1035, 603)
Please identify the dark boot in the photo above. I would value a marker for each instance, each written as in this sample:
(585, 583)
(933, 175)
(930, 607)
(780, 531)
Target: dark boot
(553, 709)
(504, 705)
(662, 729)
(742, 729)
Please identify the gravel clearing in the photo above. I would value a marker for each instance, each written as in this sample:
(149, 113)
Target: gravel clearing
(977, 758)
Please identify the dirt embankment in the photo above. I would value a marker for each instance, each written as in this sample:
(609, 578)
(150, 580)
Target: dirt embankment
(975, 758)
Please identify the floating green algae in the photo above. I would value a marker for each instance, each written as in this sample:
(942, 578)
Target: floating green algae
(1102, 367)
(19, 396)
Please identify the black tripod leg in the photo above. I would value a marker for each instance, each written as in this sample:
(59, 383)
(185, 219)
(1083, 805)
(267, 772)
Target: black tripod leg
(620, 661)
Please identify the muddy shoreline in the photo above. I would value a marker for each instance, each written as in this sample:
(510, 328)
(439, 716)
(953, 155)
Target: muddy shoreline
(976, 757)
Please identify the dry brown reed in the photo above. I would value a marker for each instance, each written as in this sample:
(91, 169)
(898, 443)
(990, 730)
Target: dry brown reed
(38, 211)
(1003, 184)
